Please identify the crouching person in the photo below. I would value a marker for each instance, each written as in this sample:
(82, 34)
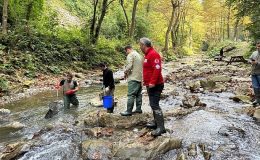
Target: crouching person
(69, 87)
(108, 84)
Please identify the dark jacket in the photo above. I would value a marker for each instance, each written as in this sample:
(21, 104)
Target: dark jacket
(108, 79)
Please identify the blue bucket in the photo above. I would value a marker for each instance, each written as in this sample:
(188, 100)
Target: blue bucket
(107, 102)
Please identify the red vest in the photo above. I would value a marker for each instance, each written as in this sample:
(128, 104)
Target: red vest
(152, 68)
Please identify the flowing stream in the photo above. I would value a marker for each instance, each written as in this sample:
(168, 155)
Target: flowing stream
(222, 126)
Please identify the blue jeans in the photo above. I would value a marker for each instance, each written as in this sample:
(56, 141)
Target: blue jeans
(256, 81)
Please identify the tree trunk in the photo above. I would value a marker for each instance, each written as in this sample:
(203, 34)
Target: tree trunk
(236, 28)
(104, 8)
(126, 17)
(132, 27)
(169, 29)
(93, 21)
(28, 16)
(5, 16)
(228, 22)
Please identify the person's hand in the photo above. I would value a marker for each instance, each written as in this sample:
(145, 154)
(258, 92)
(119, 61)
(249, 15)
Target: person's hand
(254, 62)
(151, 85)
(107, 89)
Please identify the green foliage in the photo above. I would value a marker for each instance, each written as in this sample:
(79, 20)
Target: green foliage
(3, 84)
(25, 9)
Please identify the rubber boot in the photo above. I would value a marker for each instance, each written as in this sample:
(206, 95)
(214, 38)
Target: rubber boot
(257, 97)
(160, 124)
(129, 109)
(152, 124)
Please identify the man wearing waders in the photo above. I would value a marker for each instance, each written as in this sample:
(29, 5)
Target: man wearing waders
(133, 73)
(70, 87)
(255, 73)
(108, 84)
(153, 80)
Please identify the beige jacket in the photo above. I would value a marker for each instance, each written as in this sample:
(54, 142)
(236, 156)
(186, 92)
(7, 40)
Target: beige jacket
(134, 67)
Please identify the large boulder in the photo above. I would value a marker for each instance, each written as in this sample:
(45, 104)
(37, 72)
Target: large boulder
(136, 149)
(104, 119)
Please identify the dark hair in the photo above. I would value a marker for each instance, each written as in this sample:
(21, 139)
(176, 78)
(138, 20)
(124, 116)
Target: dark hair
(128, 47)
(102, 64)
(69, 74)
(258, 41)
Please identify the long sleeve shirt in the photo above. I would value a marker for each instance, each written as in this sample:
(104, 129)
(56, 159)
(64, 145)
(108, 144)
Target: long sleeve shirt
(152, 68)
(255, 67)
(108, 79)
(134, 67)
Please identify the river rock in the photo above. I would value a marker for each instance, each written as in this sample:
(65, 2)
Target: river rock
(220, 78)
(96, 102)
(104, 119)
(4, 111)
(97, 149)
(137, 150)
(207, 84)
(16, 125)
(192, 150)
(190, 101)
(257, 114)
(4, 115)
(219, 88)
(241, 98)
(193, 86)
(11, 151)
(99, 132)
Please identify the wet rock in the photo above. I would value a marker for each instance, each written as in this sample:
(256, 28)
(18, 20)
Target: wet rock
(220, 78)
(15, 125)
(180, 112)
(192, 150)
(96, 102)
(4, 115)
(11, 151)
(190, 101)
(193, 86)
(137, 150)
(249, 111)
(257, 114)
(181, 156)
(99, 132)
(104, 119)
(207, 84)
(219, 88)
(231, 131)
(97, 149)
(54, 108)
(4, 111)
(241, 98)
(207, 155)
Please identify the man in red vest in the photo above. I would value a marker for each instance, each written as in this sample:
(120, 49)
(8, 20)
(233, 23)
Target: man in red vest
(153, 80)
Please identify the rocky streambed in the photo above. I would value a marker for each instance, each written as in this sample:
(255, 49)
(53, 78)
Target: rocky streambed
(207, 108)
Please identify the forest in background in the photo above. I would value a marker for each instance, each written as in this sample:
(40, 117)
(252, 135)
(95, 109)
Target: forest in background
(53, 36)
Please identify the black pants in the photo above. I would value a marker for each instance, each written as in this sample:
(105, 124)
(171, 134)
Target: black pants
(154, 96)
